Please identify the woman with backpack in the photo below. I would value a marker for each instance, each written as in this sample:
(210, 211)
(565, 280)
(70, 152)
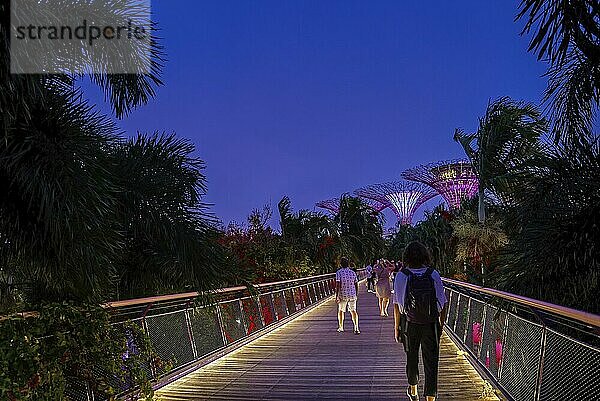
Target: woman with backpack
(420, 307)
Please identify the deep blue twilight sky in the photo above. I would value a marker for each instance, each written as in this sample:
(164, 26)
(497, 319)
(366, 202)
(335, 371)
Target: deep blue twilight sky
(314, 98)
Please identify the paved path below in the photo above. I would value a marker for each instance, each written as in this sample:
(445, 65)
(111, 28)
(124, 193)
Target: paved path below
(307, 359)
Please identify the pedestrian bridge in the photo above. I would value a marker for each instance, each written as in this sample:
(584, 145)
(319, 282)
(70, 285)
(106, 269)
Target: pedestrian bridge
(280, 343)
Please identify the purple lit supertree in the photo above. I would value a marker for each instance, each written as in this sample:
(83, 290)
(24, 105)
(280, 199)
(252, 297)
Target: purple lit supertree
(403, 197)
(333, 205)
(455, 180)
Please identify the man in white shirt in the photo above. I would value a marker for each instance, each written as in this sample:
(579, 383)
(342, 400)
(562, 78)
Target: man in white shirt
(346, 290)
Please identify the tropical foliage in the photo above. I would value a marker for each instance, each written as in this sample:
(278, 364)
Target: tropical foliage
(45, 354)
(567, 35)
(507, 137)
(435, 232)
(86, 214)
(553, 253)
(541, 241)
(309, 242)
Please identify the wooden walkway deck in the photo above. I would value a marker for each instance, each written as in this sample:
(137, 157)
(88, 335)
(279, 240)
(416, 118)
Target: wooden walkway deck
(306, 359)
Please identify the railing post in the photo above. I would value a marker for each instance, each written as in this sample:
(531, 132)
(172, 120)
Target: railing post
(221, 324)
(188, 323)
(275, 313)
(287, 310)
(466, 334)
(483, 319)
(457, 295)
(147, 331)
(538, 387)
(260, 310)
(243, 316)
(504, 337)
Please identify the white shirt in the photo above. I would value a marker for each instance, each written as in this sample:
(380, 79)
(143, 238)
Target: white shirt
(402, 279)
(347, 279)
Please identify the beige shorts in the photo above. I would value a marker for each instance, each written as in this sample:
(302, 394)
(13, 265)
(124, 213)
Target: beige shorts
(349, 303)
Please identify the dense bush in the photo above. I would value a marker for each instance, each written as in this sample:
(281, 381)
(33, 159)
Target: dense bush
(46, 354)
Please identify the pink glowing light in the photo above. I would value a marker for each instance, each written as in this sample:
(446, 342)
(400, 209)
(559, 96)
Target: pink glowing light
(477, 333)
(499, 349)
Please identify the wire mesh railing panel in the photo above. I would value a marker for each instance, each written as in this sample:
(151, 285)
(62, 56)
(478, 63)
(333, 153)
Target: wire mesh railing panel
(319, 290)
(475, 326)
(205, 329)
(327, 287)
(324, 291)
(181, 335)
(531, 350)
(252, 315)
(170, 337)
(298, 301)
(492, 339)
(462, 317)
(279, 303)
(267, 309)
(311, 294)
(233, 321)
(571, 370)
(123, 381)
(308, 300)
(289, 301)
(324, 288)
(522, 351)
(452, 309)
(76, 390)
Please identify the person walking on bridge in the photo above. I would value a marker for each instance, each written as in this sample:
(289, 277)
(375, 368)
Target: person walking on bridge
(420, 307)
(383, 289)
(346, 292)
(371, 276)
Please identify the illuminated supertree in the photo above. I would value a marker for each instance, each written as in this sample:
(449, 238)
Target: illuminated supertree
(333, 205)
(403, 197)
(455, 180)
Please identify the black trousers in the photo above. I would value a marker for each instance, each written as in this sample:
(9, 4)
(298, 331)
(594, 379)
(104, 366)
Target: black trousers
(370, 283)
(427, 338)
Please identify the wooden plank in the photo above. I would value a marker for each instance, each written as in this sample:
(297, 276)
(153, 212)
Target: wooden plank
(307, 359)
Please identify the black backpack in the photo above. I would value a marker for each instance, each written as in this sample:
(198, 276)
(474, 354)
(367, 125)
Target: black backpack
(420, 301)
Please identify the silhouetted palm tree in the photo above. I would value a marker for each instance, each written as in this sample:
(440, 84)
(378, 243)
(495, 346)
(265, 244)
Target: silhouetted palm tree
(567, 34)
(360, 230)
(84, 214)
(553, 251)
(506, 139)
(169, 236)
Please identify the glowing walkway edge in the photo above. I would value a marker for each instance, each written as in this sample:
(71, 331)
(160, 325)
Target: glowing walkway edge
(232, 348)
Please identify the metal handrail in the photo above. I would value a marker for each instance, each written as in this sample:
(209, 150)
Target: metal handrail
(581, 316)
(195, 294)
(528, 348)
(199, 332)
